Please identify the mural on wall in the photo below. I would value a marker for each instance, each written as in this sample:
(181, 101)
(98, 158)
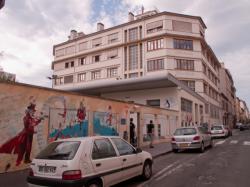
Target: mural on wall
(21, 144)
(68, 123)
(170, 103)
(105, 123)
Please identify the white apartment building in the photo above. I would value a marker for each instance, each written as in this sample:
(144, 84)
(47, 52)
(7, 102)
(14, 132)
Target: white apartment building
(150, 44)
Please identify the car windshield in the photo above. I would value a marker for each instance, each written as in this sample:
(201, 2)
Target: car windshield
(59, 151)
(216, 128)
(185, 131)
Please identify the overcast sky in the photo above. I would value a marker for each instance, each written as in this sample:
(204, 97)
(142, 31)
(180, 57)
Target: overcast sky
(30, 28)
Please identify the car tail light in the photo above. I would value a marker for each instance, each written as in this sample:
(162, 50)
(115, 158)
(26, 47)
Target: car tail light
(222, 132)
(173, 139)
(72, 175)
(31, 173)
(196, 138)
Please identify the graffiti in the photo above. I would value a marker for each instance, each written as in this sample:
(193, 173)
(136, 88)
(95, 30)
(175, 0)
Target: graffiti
(105, 123)
(68, 123)
(21, 144)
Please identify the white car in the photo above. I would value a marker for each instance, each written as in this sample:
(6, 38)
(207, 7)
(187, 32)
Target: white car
(89, 162)
(218, 131)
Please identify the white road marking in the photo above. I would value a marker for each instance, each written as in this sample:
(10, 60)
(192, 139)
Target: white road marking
(164, 169)
(220, 142)
(169, 172)
(246, 143)
(233, 141)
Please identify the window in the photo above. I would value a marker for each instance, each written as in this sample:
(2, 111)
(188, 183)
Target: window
(133, 75)
(68, 79)
(95, 75)
(154, 102)
(204, 68)
(59, 81)
(72, 64)
(112, 53)
(184, 64)
(96, 58)
(186, 105)
(103, 149)
(154, 27)
(133, 57)
(182, 26)
(82, 61)
(112, 38)
(81, 77)
(66, 65)
(59, 52)
(123, 147)
(96, 42)
(205, 87)
(155, 44)
(70, 50)
(183, 44)
(83, 46)
(59, 151)
(133, 34)
(112, 72)
(190, 84)
(154, 65)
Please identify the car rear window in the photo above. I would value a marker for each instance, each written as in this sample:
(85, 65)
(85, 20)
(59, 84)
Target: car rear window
(185, 131)
(216, 128)
(59, 151)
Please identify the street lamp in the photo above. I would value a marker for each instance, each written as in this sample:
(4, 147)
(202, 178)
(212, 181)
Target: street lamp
(53, 77)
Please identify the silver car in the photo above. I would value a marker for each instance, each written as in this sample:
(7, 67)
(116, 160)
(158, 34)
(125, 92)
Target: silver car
(191, 138)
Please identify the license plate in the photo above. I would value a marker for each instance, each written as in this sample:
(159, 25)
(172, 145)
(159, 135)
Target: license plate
(47, 169)
(183, 145)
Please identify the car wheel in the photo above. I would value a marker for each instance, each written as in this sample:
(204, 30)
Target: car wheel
(175, 150)
(147, 170)
(202, 148)
(94, 183)
(211, 143)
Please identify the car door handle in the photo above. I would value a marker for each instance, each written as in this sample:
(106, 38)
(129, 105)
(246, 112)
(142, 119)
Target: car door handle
(124, 160)
(98, 164)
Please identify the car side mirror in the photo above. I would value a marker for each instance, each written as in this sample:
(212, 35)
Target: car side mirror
(138, 150)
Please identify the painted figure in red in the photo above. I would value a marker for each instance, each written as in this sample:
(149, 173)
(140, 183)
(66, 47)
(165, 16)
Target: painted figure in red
(21, 144)
(81, 114)
(109, 116)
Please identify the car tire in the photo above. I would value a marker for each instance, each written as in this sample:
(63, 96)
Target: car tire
(94, 183)
(147, 170)
(202, 148)
(175, 150)
(211, 143)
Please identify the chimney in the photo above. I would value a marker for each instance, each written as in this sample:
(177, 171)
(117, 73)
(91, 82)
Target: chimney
(73, 34)
(100, 26)
(131, 16)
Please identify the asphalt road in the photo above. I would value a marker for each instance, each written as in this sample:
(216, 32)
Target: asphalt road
(227, 164)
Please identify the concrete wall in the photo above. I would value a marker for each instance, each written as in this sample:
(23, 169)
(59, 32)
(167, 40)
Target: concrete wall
(34, 116)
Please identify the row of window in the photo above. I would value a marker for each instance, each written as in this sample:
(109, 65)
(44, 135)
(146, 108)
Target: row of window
(210, 74)
(210, 91)
(112, 38)
(210, 58)
(184, 64)
(214, 111)
(190, 84)
(111, 54)
(186, 105)
(111, 72)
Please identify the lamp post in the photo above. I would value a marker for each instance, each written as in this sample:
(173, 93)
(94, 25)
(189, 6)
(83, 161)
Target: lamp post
(53, 77)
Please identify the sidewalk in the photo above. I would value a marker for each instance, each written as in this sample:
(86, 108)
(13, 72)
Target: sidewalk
(159, 149)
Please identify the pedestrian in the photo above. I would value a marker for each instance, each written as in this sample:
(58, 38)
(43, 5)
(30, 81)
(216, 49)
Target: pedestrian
(150, 132)
(132, 131)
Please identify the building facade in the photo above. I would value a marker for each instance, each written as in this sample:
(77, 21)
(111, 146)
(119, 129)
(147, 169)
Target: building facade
(227, 92)
(150, 44)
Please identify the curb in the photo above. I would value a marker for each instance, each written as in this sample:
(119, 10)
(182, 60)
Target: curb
(162, 154)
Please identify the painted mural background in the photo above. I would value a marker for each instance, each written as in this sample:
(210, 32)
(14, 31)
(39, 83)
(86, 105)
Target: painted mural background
(31, 117)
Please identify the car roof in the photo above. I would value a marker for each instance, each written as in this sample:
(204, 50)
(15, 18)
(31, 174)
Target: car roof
(85, 138)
